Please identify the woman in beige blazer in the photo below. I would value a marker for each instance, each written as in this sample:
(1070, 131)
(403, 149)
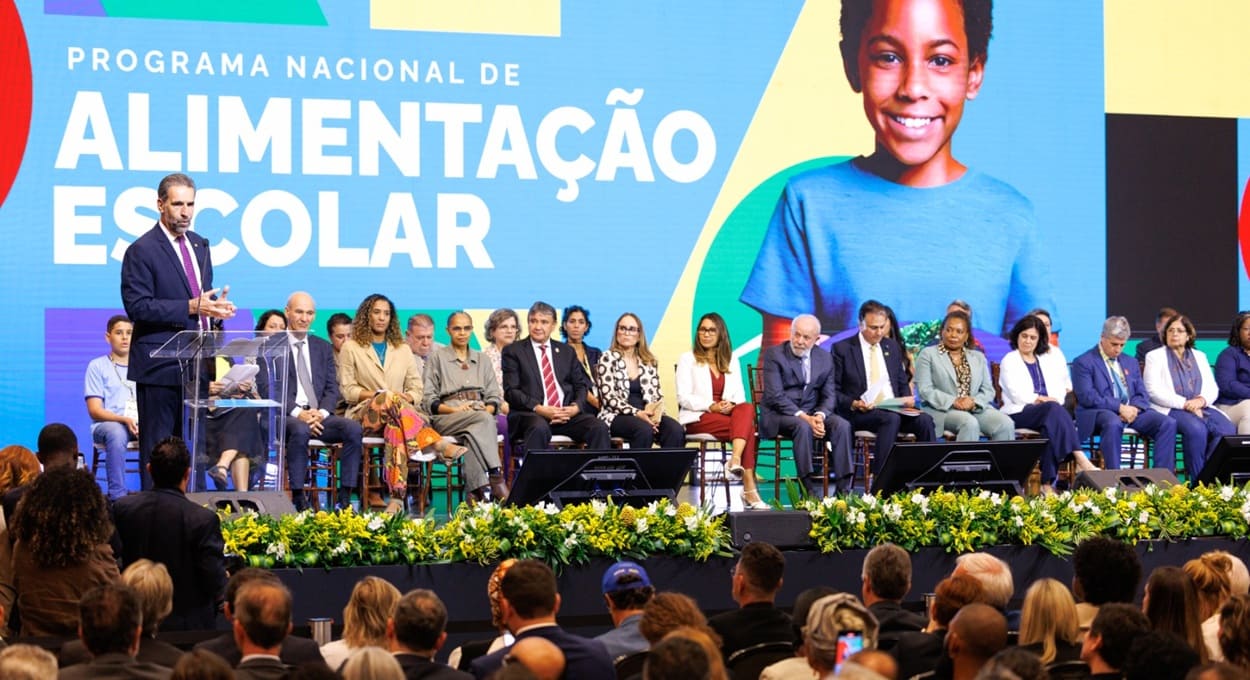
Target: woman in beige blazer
(381, 384)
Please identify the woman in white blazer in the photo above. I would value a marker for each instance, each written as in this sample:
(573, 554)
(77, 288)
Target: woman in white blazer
(712, 401)
(1182, 387)
(1034, 380)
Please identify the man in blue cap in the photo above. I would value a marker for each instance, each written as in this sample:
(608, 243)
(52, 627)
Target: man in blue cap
(626, 589)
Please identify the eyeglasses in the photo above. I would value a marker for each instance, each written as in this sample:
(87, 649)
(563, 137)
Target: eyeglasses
(461, 329)
(707, 331)
(627, 329)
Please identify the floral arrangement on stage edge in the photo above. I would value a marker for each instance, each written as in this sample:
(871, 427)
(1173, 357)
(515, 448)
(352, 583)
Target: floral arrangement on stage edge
(485, 533)
(956, 521)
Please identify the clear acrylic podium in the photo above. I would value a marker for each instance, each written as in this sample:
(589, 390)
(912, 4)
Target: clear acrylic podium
(234, 399)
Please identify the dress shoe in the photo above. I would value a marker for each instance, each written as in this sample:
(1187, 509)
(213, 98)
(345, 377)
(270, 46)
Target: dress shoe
(299, 499)
(343, 498)
(376, 501)
(752, 501)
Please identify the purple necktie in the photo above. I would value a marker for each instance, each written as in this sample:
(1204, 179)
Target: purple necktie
(189, 268)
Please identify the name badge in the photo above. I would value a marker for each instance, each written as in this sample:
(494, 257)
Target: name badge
(132, 409)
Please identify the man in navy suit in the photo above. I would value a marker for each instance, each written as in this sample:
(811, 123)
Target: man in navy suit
(312, 392)
(528, 605)
(1110, 395)
(870, 357)
(167, 287)
(546, 388)
(800, 394)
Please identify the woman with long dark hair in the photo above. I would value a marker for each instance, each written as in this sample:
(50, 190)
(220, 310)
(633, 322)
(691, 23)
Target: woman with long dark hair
(1171, 604)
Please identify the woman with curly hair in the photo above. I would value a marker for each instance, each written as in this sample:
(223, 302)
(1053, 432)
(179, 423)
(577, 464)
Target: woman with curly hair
(371, 604)
(629, 390)
(1234, 635)
(18, 466)
(381, 384)
(61, 550)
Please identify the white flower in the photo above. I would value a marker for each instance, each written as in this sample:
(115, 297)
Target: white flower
(1227, 493)
(893, 511)
(1019, 521)
(549, 508)
(692, 523)
(996, 498)
(1245, 510)
(640, 525)
(984, 495)
(828, 501)
(670, 510)
(570, 542)
(869, 500)
(919, 499)
(278, 550)
(599, 507)
(1110, 492)
(375, 523)
(1095, 510)
(1132, 505)
(339, 549)
(1144, 517)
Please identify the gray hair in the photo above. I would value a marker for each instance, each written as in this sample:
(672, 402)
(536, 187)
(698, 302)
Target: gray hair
(997, 586)
(542, 308)
(1116, 327)
(805, 317)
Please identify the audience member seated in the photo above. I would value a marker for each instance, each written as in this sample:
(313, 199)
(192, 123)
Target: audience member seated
(796, 667)
(463, 397)
(162, 525)
(112, 403)
(539, 656)
(955, 388)
(293, 651)
(1170, 602)
(1157, 655)
(681, 657)
(151, 584)
(926, 651)
(61, 550)
(1104, 570)
(829, 618)
(800, 397)
(1111, 395)
(1234, 631)
(574, 328)
(1238, 584)
(626, 591)
(1216, 671)
(1034, 382)
(110, 625)
(18, 468)
(997, 586)
(869, 369)
(462, 656)
(1182, 387)
(1048, 623)
(58, 448)
(364, 620)
(262, 620)
(756, 580)
(629, 391)
(869, 664)
(26, 662)
(546, 389)
(1013, 663)
(1211, 574)
(201, 665)
(711, 400)
(667, 611)
(1232, 375)
(416, 631)
(381, 383)
(977, 633)
(372, 663)
(886, 579)
(1155, 340)
(1111, 633)
(529, 605)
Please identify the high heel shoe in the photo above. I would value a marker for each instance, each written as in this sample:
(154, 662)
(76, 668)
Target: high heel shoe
(1083, 463)
(394, 507)
(757, 504)
(449, 451)
(734, 469)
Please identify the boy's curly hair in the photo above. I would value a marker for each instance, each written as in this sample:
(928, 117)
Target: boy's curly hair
(978, 25)
(62, 518)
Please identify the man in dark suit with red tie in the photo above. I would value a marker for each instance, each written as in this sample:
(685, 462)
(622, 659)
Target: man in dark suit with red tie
(167, 287)
(546, 388)
(871, 357)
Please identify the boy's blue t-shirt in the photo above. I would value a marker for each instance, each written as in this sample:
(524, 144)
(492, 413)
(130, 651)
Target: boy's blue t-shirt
(841, 235)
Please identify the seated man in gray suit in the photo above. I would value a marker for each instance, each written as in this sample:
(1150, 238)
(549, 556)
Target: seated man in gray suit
(800, 395)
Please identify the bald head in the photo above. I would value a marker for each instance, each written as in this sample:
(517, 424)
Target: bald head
(978, 632)
(300, 312)
(540, 656)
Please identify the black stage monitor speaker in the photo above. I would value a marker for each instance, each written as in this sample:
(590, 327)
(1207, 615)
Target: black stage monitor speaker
(1229, 463)
(628, 477)
(262, 502)
(782, 528)
(995, 466)
(1129, 480)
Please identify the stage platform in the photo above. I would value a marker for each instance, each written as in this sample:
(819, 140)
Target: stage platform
(321, 592)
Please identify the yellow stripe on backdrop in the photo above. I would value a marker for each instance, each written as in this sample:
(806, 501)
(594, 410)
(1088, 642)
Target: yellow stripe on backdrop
(807, 111)
(503, 17)
(1177, 58)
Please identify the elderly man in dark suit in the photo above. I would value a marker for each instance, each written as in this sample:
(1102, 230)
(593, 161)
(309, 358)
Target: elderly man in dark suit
(312, 392)
(800, 395)
(163, 526)
(546, 388)
(167, 287)
(868, 369)
(292, 651)
(1111, 395)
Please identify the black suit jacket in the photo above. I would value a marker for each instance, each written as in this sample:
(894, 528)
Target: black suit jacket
(114, 667)
(151, 651)
(261, 669)
(295, 650)
(848, 371)
(921, 652)
(155, 293)
(523, 377)
(583, 657)
(892, 621)
(752, 624)
(420, 668)
(163, 526)
(785, 392)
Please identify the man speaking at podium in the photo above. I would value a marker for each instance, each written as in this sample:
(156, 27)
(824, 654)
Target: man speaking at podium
(167, 287)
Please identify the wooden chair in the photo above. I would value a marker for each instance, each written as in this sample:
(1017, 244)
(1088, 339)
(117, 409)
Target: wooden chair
(323, 463)
(451, 473)
(713, 467)
(862, 446)
(755, 376)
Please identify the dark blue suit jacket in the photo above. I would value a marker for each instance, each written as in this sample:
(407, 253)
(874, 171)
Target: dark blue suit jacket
(155, 293)
(785, 392)
(325, 379)
(848, 371)
(583, 657)
(1094, 389)
(523, 378)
